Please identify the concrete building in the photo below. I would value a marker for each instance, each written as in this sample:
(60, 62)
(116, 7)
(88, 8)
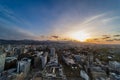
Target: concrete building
(52, 51)
(44, 59)
(114, 65)
(10, 62)
(16, 51)
(68, 59)
(53, 70)
(98, 73)
(84, 75)
(77, 58)
(90, 58)
(114, 76)
(24, 66)
(2, 61)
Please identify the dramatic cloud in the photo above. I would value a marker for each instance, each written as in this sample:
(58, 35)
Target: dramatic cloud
(116, 39)
(113, 40)
(117, 35)
(96, 39)
(107, 37)
(56, 37)
(110, 40)
(43, 20)
(95, 25)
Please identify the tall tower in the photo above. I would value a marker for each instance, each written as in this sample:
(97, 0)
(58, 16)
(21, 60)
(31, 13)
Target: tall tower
(44, 59)
(52, 52)
(2, 61)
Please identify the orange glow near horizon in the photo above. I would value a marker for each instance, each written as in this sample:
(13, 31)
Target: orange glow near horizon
(80, 36)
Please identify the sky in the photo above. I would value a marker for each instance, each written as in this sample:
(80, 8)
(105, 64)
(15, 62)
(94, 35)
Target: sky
(96, 20)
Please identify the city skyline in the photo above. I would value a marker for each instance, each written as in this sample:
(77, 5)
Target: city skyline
(95, 21)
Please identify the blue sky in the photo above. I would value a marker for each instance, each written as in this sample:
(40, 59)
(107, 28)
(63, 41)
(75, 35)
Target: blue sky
(31, 19)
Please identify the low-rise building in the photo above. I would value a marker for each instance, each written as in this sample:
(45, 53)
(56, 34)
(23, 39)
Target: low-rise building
(98, 73)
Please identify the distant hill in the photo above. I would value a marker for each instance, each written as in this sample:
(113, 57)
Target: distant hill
(35, 42)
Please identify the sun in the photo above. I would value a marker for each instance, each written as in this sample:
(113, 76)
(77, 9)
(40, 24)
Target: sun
(80, 36)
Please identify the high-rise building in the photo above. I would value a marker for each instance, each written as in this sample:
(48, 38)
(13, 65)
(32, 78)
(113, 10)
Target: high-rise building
(44, 59)
(114, 65)
(2, 61)
(52, 52)
(8, 48)
(24, 66)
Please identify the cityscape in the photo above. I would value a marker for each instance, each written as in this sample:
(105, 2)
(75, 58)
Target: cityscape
(59, 39)
(50, 60)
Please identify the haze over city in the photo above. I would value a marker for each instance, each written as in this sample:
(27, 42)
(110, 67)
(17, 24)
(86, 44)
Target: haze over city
(59, 39)
(94, 21)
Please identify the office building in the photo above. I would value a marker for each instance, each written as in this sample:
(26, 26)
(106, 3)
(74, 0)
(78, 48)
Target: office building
(2, 61)
(24, 66)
